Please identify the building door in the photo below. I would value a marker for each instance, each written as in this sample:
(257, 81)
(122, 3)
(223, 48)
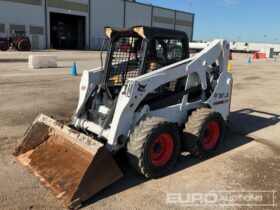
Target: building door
(67, 31)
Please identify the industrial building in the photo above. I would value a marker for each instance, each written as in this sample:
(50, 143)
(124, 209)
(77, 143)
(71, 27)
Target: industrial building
(79, 24)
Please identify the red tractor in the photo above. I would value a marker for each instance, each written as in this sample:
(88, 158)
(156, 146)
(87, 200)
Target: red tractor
(19, 40)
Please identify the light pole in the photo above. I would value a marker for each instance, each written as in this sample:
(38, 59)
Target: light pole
(190, 5)
(264, 36)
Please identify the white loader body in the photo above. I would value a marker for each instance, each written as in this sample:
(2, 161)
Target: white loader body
(135, 90)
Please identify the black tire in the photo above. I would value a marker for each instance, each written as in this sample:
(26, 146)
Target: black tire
(24, 45)
(147, 141)
(203, 132)
(4, 46)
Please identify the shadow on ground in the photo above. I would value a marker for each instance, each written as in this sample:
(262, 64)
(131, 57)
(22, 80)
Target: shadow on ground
(247, 121)
(243, 122)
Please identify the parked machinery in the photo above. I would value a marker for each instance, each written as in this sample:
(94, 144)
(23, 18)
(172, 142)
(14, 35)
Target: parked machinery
(19, 41)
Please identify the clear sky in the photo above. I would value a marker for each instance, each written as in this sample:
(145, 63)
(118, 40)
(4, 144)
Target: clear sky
(235, 20)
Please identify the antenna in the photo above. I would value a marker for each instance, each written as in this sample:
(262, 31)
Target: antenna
(190, 5)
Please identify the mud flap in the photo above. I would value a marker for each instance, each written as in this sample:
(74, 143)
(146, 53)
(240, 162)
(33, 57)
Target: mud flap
(71, 165)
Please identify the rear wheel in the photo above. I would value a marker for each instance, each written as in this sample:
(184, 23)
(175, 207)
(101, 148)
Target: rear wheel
(153, 147)
(203, 132)
(24, 45)
(4, 46)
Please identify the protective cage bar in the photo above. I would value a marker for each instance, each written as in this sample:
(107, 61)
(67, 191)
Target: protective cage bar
(125, 60)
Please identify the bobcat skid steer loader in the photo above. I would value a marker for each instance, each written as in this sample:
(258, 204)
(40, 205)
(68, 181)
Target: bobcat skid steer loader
(149, 98)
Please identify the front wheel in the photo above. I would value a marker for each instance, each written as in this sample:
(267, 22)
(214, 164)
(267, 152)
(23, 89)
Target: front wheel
(203, 132)
(153, 147)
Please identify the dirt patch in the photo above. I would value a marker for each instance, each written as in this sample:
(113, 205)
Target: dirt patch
(252, 78)
(239, 86)
(259, 173)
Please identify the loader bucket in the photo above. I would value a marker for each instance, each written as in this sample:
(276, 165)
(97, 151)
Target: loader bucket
(71, 165)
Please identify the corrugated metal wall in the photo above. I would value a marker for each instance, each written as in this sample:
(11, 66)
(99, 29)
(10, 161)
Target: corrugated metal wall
(121, 13)
(137, 14)
(34, 17)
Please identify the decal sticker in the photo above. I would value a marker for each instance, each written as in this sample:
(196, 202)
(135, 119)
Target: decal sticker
(220, 102)
(221, 95)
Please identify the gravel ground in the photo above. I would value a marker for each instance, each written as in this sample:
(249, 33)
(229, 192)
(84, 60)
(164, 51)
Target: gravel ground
(247, 161)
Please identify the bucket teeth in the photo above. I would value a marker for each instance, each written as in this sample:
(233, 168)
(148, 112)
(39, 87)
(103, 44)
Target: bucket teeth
(70, 164)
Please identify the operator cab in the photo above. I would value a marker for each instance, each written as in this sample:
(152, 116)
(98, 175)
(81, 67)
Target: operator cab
(139, 50)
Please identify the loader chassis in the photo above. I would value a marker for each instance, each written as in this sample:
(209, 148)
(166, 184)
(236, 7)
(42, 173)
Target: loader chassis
(130, 56)
(150, 98)
(153, 76)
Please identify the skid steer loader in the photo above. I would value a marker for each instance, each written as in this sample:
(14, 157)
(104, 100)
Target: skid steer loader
(150, 99)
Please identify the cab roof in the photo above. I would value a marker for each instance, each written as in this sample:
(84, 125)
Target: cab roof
(145, 32)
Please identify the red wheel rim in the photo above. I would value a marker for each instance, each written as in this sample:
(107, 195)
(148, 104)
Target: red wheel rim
(161, 149)
(211, 135)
